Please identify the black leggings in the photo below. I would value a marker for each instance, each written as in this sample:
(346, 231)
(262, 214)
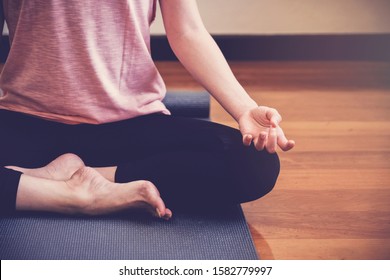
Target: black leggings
(192, 162)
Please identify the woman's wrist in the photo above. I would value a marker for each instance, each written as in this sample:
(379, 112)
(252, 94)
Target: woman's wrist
(239, 108)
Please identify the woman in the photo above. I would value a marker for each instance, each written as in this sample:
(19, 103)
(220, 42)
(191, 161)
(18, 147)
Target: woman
(80, 89)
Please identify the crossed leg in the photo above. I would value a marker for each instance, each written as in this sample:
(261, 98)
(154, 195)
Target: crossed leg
(66, 185)
(190, 161)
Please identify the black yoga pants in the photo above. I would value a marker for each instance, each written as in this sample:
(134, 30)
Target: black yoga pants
(193, 163)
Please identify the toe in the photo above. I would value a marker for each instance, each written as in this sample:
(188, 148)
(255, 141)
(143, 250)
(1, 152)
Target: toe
(168, 214)
(151, 196)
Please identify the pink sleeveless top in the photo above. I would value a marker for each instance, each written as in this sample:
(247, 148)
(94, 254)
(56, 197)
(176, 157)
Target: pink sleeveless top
(81, 61)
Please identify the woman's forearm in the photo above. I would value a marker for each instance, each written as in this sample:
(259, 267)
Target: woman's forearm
(201, 56)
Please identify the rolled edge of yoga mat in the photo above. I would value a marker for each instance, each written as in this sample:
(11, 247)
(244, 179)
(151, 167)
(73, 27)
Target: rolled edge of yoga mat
(188, 104)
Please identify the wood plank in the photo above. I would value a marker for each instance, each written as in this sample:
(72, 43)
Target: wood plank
(319, 224)
(291, 201)
(298, 75)
(331, 143)
(363, 105)
(338, 128)
(335, 160)
(333, 179)
(324, 249)
(281, 75)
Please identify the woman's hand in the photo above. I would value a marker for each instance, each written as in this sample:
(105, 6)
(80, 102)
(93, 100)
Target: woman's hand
(261, 125)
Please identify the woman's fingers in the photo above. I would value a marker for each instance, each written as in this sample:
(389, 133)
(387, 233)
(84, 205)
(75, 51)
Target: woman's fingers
(272, 140)
(273, 116)
(290, 144)
(269, 139)
(261, 141)
(247, 139)
(283, 143)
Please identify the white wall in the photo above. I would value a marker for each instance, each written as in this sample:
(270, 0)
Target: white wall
(259, 17)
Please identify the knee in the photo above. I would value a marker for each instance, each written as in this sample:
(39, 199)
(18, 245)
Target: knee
(259, 176)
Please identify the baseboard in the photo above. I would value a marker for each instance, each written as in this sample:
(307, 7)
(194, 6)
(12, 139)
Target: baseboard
(292, 47)
(374, 47)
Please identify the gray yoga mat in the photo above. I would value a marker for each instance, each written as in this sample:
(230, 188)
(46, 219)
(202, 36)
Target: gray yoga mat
(127, 236)
(188, 104)
(132, 235)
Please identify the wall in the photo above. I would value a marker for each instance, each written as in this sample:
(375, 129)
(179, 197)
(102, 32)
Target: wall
(270, 17)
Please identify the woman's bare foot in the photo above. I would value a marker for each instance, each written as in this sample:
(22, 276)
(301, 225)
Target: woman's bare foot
(60, 169)
(100, 196)
(94, 193)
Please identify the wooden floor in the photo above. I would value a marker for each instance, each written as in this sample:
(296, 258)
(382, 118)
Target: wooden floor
(332, 199)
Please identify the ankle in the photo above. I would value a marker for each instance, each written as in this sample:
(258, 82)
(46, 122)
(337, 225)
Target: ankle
(77, 201)
(81, 197)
